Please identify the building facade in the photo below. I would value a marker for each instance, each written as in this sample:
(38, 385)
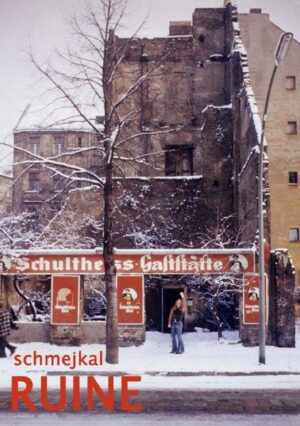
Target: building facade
(40, 188)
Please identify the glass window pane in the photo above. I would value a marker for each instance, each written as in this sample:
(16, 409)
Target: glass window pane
(58, 145)
(294, 234)
(34, 181)
(293, 177)
(292, 127)
(34, 145)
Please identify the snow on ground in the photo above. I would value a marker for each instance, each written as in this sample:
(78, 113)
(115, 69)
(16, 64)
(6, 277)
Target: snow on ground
(203, 354)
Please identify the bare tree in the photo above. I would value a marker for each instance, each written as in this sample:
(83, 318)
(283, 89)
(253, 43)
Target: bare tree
(16, 232)
(65, 229)
(220, 295)
(86, 76)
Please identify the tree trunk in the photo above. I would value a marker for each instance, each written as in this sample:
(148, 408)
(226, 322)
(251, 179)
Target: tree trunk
(217, 318)
(112, 345)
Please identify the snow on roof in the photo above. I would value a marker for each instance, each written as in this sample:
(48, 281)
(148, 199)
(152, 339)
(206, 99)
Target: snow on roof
(254, 150)
(240, 48)
(217, 107)
(149, 178)
(177, 251)
(57, 118)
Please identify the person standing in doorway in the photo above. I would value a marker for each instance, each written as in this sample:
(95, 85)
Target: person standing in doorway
(5, 325)
(176, 324)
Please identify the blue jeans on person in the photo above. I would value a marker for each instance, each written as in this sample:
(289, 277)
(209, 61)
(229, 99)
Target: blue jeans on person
(176, 333)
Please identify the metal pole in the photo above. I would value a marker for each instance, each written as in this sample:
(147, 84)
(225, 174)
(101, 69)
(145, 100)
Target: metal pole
(261, 256)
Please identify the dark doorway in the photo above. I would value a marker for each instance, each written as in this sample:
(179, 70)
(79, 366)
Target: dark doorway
(153, 305)
(169, 296)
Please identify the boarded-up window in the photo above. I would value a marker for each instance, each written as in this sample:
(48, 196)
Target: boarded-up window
(290, 82)
(292, 127)
(294, 235)
(179, 160)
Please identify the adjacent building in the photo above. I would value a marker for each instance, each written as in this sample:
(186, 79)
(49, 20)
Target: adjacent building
(260, 37)
(40, 189)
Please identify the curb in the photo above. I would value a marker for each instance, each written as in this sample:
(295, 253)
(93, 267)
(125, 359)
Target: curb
(173, 373)
(258, 401)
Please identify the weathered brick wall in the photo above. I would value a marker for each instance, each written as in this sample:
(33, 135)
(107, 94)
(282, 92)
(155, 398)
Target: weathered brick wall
(31, 332)
(88, 332)
(246, 137)
(282, 312)
(164, 212)
(245, 158)
(188, 73)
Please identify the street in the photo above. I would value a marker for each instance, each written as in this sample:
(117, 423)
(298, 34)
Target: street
(180, 419)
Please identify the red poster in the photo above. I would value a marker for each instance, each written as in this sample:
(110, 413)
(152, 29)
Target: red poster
(251, 298)
(65, 299)
(130, 299)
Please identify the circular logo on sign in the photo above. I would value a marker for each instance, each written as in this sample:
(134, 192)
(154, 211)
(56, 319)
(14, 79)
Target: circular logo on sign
(253, 294)
(129, 294)
(238, 263)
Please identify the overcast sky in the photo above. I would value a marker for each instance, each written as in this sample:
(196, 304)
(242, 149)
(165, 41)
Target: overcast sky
(44, 23)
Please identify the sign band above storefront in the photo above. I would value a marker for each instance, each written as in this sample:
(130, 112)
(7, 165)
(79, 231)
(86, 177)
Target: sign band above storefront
(158, 262)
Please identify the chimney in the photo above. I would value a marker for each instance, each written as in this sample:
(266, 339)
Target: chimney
(99, 119)
(180, 28)
(255, 10)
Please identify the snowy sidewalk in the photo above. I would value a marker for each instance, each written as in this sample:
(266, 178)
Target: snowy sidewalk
(210, 376)
(206, 363)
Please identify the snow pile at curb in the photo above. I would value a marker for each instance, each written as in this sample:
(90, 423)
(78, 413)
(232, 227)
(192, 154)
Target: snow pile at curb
(152, 360)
